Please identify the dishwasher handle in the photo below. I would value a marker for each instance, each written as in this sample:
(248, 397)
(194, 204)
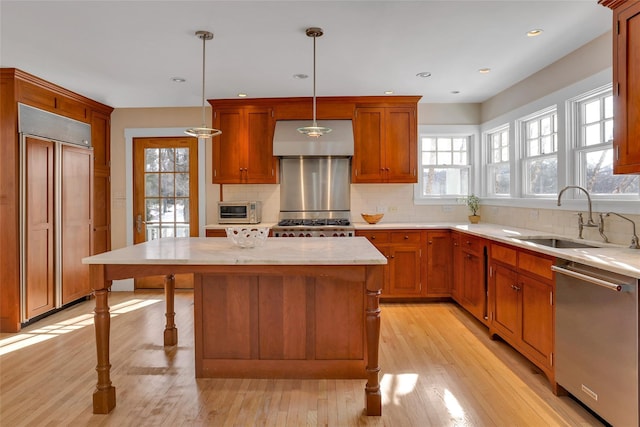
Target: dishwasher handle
(604, 283)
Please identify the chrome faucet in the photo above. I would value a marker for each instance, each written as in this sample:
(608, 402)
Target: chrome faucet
(635, 244)
(581, 223)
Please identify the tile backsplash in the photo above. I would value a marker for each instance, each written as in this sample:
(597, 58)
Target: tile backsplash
(396, 201)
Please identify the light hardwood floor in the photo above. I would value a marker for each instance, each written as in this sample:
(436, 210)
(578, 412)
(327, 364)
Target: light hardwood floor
(439, 368)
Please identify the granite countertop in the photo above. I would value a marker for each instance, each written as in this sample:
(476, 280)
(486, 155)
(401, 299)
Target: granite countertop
(220, 251)
(615, 258)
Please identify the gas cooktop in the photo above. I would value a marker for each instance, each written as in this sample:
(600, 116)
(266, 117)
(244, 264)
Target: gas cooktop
(316, 222)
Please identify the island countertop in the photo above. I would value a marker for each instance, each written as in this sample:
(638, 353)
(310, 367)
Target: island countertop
(220, 251)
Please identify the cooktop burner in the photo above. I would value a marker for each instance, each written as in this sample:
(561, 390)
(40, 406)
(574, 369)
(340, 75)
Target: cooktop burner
(318, 222)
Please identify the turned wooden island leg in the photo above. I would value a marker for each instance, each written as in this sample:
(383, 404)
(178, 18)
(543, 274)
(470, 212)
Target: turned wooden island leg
(170, 330)
(373, 396)
(104, 397)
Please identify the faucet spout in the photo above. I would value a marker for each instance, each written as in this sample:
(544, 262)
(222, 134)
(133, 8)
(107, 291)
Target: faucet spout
(635, 243)
(590, 222)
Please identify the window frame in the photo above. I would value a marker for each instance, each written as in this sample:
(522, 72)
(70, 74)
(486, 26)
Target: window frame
(491, 166)
(472, 133)
(525, 160)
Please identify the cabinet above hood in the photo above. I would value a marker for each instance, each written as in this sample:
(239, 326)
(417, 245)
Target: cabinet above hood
(287, 141)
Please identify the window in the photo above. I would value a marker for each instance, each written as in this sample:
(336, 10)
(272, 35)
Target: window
(539, 137)
(498, 168)
(444, 163)
(593, 115)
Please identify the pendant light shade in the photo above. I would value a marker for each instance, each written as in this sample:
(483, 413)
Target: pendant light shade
(314, 130)
(203, 131)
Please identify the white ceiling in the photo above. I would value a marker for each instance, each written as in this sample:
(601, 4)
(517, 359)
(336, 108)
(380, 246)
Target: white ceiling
(124, 53)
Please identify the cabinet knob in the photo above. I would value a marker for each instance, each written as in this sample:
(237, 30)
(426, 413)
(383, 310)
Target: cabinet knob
(430, 242)
(373, 237)
(406, 237)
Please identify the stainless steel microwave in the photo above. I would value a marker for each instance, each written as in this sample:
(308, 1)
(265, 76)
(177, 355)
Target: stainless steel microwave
(249, 212)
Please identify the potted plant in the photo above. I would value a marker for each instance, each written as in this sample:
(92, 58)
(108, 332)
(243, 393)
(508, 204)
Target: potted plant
(473, 202)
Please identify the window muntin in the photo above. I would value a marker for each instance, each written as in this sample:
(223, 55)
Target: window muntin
(594, 147)
(498, 167)
(444, 166)
(540, 160)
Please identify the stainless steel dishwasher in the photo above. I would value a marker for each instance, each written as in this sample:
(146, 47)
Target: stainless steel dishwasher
(596, 340)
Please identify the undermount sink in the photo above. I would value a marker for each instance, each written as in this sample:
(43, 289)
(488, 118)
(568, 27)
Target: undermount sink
(559, 243)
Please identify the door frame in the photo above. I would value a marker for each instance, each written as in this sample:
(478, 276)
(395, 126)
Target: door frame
(129, 134)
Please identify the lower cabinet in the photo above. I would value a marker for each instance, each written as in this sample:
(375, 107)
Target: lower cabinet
(412, 272)
(402, 276)
(215, 232)
(470, 288)
(521, 289)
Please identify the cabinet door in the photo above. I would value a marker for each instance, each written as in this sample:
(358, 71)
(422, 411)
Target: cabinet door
(473, 292)
(260, 163)
(537, 319)
(458, 271)
(39, 232)
(229, 149)
(439, 263)
(400, 145)
(626, 78)
(506, 292)
(100, 139)
(404, 270)
(368, 159)
(76, 222)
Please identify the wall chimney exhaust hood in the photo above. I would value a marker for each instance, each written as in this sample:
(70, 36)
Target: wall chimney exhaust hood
(287, 141)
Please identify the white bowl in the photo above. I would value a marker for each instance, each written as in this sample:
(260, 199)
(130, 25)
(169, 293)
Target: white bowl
(246, 236)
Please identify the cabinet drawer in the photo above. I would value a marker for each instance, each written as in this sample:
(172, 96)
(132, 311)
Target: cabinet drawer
(405, 237)
(504, 254)
(375, 236)
(472, 244)
(540, 266)
(215, 232)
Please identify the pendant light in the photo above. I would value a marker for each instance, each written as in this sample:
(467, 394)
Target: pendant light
(204, 131)
(314, 130)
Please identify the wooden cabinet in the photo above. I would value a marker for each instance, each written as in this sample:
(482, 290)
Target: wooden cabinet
(439, 263)
(626, 84)
(521, 289)
(215, 232)
(385, 145)
(243, 154)
(470, 289)
(403, 251)
(20, 87)
(101, 141)
(385, 136)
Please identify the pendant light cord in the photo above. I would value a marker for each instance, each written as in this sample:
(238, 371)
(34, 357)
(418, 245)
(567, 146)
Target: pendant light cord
(204, 41)
(314, 81)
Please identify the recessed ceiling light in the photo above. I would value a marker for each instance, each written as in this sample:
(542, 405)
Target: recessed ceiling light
(424, 74)
(484, 70)
(388, 92)
(455, 92)
(242, 95)
(534, 32)
(300, 76)
(178, 79)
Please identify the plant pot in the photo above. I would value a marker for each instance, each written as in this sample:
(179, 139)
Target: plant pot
(474, 219)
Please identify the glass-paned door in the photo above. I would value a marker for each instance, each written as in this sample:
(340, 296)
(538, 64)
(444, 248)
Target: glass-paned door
(165, 196)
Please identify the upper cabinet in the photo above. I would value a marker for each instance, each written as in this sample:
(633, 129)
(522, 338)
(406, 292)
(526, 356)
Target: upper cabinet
(243, 154)
(385, 133)
(385, 144)
(626, 84)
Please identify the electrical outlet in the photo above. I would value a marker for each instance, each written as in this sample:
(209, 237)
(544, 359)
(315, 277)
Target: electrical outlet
(381, 209)
(533, 214)
(392, 209)
(447, 208)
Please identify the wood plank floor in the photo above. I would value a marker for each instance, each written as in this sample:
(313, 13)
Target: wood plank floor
(439, 368)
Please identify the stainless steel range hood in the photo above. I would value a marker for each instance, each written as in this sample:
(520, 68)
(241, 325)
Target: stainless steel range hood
(287, 141)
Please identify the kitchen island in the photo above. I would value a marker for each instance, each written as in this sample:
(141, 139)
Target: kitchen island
(293, 308)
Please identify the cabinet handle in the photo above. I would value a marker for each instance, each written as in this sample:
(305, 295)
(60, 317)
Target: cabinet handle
(515, 288)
